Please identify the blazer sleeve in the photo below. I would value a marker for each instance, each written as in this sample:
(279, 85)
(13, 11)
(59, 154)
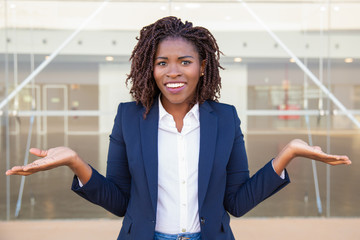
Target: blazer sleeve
(113, 191)
(242, 192)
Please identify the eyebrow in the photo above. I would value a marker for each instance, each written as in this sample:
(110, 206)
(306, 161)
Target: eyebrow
(178, 57)
(185, 57)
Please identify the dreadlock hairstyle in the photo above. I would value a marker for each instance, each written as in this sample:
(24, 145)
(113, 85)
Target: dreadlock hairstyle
(144, 88)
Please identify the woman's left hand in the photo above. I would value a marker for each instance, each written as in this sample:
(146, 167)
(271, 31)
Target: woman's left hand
(299, 148)
(302, 149)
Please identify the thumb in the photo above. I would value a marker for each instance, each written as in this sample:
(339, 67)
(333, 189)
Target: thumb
(38, 152)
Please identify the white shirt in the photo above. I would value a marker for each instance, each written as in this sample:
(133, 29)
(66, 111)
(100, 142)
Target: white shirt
(178, 153)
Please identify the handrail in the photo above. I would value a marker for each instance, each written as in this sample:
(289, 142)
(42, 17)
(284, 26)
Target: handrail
(252, 112)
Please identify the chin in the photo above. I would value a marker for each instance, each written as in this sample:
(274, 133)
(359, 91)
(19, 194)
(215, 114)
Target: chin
(177, 101)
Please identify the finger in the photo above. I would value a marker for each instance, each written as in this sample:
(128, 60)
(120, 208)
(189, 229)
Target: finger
(39, 165)
(34, 165)
(22, 173)
(17, 168)
(337, 160)
(345, 159)
(340, 158)
(335, 163)
(38, 152)
(317, 148)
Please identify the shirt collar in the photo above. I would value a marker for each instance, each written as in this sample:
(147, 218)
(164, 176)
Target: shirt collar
(162, 112)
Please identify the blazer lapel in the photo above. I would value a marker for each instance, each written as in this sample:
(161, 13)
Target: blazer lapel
(149, 146)
(208, 134)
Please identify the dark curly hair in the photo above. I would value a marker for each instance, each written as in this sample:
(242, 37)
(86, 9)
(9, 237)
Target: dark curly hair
(144, 88)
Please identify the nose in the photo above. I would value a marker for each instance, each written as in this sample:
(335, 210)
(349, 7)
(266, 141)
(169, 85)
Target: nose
(173, 71)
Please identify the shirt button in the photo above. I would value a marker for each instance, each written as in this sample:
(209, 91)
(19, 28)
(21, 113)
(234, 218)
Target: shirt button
(183, 230)
(202, 221)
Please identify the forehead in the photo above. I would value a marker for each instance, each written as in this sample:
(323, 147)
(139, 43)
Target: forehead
(176, 45)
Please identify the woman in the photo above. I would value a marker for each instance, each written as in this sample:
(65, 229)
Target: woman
(177, 163)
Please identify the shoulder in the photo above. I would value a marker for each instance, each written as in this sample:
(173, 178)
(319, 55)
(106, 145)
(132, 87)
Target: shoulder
(126, 107)
(128, 111)
(221, 107)
(224, 112)
(131, 104)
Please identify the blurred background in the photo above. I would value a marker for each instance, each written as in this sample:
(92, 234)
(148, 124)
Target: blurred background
(292, 69)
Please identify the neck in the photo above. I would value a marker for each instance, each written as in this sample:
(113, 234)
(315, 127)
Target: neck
(178, 111)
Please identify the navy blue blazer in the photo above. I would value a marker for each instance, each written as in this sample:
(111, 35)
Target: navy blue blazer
(130, 186)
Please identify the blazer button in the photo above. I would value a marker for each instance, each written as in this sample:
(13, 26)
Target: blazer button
(202, 221)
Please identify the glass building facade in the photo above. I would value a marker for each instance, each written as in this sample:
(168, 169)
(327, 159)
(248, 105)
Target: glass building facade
(291, 69)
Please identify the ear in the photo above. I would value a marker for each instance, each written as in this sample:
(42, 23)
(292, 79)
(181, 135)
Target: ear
(202, 66)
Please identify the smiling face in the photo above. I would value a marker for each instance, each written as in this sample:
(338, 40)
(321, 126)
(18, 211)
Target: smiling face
(177, 69)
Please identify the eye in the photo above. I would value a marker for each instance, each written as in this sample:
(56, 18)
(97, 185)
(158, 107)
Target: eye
(161, 63)
(185, 62)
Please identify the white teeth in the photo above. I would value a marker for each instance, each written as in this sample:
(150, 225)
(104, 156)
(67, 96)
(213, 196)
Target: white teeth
(174, 85)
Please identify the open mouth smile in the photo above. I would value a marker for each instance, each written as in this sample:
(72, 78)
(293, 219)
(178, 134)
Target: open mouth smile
(174, 85)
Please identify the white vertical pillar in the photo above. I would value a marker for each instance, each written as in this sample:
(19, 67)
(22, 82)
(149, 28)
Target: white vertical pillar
(112, 91)
(234, 90)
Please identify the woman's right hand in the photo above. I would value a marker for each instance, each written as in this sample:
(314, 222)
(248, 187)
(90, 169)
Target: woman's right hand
(52, 158)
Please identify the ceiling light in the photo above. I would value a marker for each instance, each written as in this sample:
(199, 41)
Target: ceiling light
(238, 59)
(336, 8)
(47, 57)
(109, 58)
(292, 60)
(163, 8)
(349, 60)
(192, 5)
(323, 8)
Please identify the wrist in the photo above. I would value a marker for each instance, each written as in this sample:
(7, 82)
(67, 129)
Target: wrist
(75, 162)
(290, 150)
(284, 158)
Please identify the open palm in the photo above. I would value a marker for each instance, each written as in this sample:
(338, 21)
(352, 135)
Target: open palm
(302, 149)
(52, 158)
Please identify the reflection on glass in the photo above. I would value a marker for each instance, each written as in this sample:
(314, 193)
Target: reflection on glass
(84, 83)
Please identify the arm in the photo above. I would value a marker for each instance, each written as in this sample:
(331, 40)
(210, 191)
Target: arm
(109, 192)
(112, 192)
(243, 193)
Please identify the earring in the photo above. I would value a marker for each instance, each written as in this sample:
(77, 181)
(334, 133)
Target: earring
(202, 74)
